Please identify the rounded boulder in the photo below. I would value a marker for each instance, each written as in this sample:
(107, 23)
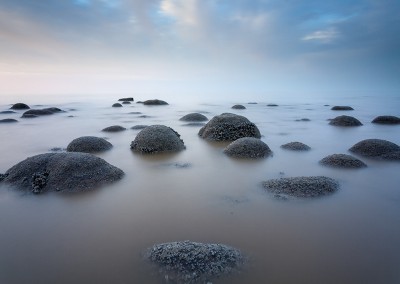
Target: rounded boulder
(345, 120)
(248, 147)
(386, 119)
(374, 147)
(342, 161)
(296, 146)
(195, 116)
(20, 106)
(89, 144)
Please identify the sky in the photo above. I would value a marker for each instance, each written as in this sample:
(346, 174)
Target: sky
(200, 47)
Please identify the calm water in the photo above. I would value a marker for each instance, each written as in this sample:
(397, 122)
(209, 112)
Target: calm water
(352, 236)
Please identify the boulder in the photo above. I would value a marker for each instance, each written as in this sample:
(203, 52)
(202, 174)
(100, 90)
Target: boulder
(89, 144)
(228, 127)
(239, 107)
(39, 112)
(342, 161)
(194, 124)
(345, 120)
(342, 108)
(374, 147)
(157, 139)
(272, 105)
(302, 187)
(248, 147)
(20, 106)
(7, 112)
(386, 119)
(392, 156)
(303, 119)
(189, 262)
(138, 127)
(117, 105)
(114, 128)
(65, 172)
(194, 117)
(296, 146)
(126, 100)
(126, 103)
(154, 103)
(8, 120)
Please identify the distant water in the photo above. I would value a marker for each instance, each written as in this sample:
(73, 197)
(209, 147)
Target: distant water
(352, 236)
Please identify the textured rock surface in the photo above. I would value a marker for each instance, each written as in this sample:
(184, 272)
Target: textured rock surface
(374, 147)
(345, 120)
(296, 146)
(89, 144)
(66, 172)
(229, 127)
(154, 102)
(20, 106)
(248, 147)
(386, 119)
(157, 139)
(342, 161)
(392, 156)
(8, 120)
(190, 262)
(304, 187)
(342, 108)
(239, 107)
(114, 128)
(194, 117)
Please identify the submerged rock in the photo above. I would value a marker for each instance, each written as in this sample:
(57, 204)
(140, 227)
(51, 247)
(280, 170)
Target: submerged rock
(392, 156)
(154, 103)
(302, 187)
(386, 119)
(65, 172)
(20, 106)
(138, 127)
(239, 107)
(126, 103)
(194, 124)
(195, 116)
(248, 147)
(157, 139)
(296, 146)
(229, 127)
(39, 112)
(303, 119)
(126, 100)
(117, 105)
(8, 120)
(345, 120)
(114, 128)
(190, 262)
(342, 161)
(342, 108)
(7, 112)
(89, 144)
(374, 147)
(272, 105)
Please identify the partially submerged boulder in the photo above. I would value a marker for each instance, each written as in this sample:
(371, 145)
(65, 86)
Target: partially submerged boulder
(139, 127)
(40, 112)
(157, 139)
(374, 147)
(239, 107)
(154, 103)
(342, 161)
(195, 116)
(117, 105)
(114, 128)
(89, 144)
(272, 105)
(228, 127)
(248, 147)
(189, 262)
(65, 172)
(8, 120)
(386, 119)
(342, 108)
(296, 146)
(20, 106)
(130, 99)
(392, 156)
(345, 120)
(7, 112)
(302, 187)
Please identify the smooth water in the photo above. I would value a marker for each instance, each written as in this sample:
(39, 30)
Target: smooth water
(352, 236)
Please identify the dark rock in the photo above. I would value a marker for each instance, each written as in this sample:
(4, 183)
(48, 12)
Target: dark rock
(89, 144)
(114, 128)
(140, 102)
(194, 124)
(138, 127)
(28, 115)
(342, 161)
(296, 146)
(252, 103)
(53, 109)
(374, 147)
(342, 108)
(386, 119)
(117, 105)
(154, 103)
(20, 106)
(135, 112)
(7, 112)
(126, 103)
(144, 116)
(345, 120)
(248, 147)
(36, 112)
(239, 107)
(272, 105)
(229, 127)
(303, 119)
(66, 172)
(392, 156)
(303, 187)
(8, 120)
(194, 117)
(2, 177)
(157, 139)
(190, 262)
(58, 149)
(126, 100)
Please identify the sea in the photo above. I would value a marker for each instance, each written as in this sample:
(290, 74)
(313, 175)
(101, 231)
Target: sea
(202, 195)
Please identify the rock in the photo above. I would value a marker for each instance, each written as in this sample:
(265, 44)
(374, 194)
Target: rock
(345, 120)
(248, 147)
(20, 106)
(392, 156)
(194, 124)
(154, 103)
(239, 107)
(126, 100)
(296, 146)
(53, 109)
(342, 161)
(189, 262)
(65, 172)
(195, 116)
(386, 119)
(126, 103)
(114, 128)
(252, 103)
(7, 112)
(29, 115)
(138, 127)
(342, 108)
(2, 177)
(374, 147)
(303, 119)
(157, 139)
(303, 187)
(39, 112)
(8, 120)
(117, 105)
(229, 127)
(89, 144)
(272, 105)
(135, 112)
(140, 102)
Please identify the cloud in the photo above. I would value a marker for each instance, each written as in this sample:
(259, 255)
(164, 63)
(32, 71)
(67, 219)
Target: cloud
(323, 36)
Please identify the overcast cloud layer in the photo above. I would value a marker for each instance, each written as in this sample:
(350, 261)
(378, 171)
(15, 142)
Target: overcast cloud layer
(209, 45)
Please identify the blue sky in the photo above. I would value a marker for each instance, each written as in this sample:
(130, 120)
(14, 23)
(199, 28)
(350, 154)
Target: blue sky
(203, 46)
